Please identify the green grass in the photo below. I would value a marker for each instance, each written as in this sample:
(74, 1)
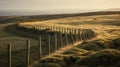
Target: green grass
(19, 45)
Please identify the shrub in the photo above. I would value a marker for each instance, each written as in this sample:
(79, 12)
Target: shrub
(104, 57)
(94, 45)
(116, 43)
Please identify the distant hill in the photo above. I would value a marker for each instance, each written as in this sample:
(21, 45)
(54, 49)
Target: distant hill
(114, 9)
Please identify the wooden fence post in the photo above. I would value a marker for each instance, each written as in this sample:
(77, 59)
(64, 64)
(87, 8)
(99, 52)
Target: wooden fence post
(62, 30)
(28, 54)
(61, 39)
(40, 48)
(93, 34)
(72, 37)
(40, 28)
(79, 37)
(87, 37)
(52, 28)
(66, 37)
(90, 34)
(87, 33)
(9, 55)
(76, 35)
(55, 42)
(83, 35)
(49, 44)
(72, 31)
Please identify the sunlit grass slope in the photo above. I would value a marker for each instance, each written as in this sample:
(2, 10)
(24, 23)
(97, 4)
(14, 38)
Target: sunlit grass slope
(102, 51)
(104, 25)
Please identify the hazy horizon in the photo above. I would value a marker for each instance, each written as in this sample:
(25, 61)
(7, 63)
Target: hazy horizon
(38, 7)
(43, 12)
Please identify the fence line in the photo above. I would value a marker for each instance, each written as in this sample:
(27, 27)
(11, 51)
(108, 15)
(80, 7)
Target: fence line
(74, 34)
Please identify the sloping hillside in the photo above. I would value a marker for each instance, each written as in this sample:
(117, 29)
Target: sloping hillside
(102, 51)
(96, 52)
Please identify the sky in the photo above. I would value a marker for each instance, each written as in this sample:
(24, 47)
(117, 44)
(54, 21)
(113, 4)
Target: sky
(57, 4)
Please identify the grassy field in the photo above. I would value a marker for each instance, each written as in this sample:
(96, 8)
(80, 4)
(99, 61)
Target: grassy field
(89, 53)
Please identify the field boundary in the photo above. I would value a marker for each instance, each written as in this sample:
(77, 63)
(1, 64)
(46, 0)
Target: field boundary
(63, 37)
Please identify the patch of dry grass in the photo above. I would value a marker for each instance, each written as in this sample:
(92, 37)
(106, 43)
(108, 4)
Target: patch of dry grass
(105, 26)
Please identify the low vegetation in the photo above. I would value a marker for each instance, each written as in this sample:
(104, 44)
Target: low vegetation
(92, 54)
(104, 50)
(101, 51)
